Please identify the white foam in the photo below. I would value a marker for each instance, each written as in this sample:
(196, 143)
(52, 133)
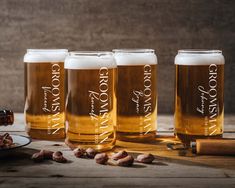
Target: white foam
(90, 60)
(199, 58)
(45, 55)
(137, 57)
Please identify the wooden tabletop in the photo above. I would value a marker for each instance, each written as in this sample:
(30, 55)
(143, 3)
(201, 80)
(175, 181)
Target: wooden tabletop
(170, 169)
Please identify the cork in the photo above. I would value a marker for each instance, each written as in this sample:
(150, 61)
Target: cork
(215, 146)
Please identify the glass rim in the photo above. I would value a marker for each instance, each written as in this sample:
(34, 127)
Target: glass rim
(89, 53)
(199, 51)
(134, 50)
(47, 50)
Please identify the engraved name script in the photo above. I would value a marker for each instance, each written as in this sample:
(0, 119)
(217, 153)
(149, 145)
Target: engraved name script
(99, 106)
(52, 100)
(209, 101)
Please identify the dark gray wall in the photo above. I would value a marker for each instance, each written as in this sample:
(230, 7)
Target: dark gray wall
(164, 25)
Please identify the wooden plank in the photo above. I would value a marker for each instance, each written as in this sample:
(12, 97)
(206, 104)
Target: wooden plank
(117, 182)
(167, 164)
(82, 168)
(165, 123)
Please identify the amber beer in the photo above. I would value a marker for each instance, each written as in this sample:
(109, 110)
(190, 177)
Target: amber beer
(44, 93)
(91, 99)
(136, 94)
(199, 94)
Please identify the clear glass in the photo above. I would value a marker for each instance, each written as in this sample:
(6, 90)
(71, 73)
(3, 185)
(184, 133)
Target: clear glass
(90, 53)
(133, 50)
(91, 100)
(198, 51)
(44, 93)
(199, 94)
(136, 94)
(47, 50)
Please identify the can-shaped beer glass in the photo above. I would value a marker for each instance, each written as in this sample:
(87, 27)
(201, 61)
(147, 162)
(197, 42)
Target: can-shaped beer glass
(199, 94)
(44, 93)
(136, 94)
(91, 99)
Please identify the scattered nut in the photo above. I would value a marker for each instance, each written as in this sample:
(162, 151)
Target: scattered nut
(112, 162)
(58, 157)
(6, 141)
(46, 154)
(101, 158)
(43, 154)
(119, 155)
(90, 153)
(37, 157)
(126, 161)
(118, 159)
(8, 137)
(79, 152)
(145, 158)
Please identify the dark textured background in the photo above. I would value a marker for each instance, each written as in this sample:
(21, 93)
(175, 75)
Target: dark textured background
(164, 25)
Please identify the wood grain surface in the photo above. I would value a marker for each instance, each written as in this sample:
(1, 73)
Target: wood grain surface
(170, 168)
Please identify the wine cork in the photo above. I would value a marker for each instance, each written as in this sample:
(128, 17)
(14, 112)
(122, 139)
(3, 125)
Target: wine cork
(215, 146)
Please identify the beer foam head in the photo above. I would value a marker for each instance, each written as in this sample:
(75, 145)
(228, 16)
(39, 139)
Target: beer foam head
(199, 57)
(135, 57)
(45, 55)
(89, 60)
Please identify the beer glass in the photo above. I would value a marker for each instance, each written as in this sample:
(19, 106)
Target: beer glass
(199, 94)
(44, 93)
(91, 99)
(136, 94)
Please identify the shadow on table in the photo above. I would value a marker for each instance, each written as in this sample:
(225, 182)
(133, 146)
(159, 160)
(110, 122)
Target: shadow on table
(164, 155)
(18, 157)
